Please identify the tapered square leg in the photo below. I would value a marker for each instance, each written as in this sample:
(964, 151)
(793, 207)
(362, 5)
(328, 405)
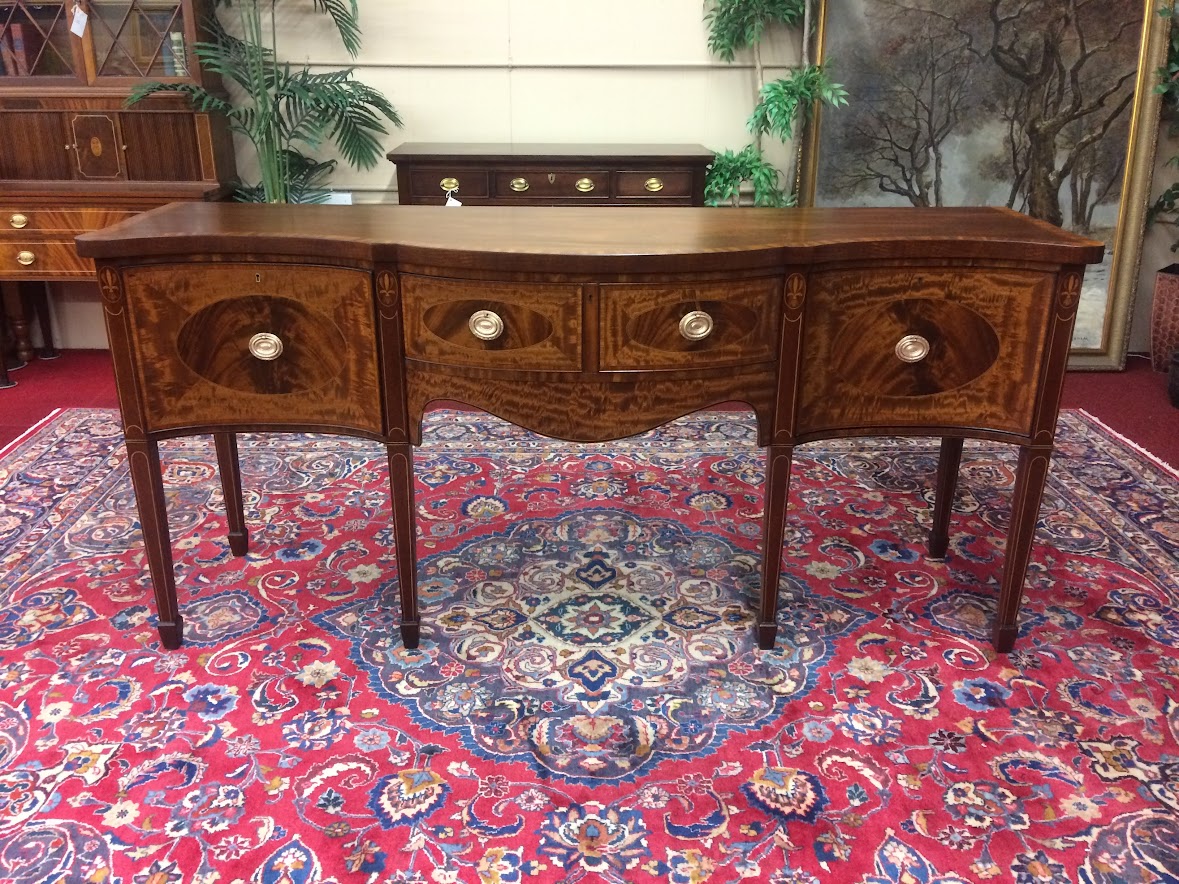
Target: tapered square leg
(231, 489)
(948, 462)
(1031, 474)
(777, 491)
(405, 537)
(143, 457)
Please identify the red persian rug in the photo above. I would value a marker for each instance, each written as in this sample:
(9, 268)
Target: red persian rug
(587, 703)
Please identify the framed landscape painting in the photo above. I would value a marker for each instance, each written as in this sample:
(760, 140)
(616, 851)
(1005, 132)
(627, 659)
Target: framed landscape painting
(1045, 106)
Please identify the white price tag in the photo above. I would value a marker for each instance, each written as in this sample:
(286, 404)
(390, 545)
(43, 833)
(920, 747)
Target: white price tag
(78, 23)
(450, 200)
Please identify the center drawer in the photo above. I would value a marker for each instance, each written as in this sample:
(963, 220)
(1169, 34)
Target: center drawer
(696, 325)
(508, 325)
(567, 184)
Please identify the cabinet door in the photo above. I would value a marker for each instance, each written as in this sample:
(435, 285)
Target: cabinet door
(97, 146)
(34, 146)
(160, 146)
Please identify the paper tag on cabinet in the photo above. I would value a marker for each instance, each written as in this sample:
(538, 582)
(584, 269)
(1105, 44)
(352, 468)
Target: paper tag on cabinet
(78, 22)
(450, 200)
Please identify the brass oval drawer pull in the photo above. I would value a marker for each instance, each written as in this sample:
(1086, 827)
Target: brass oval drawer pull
(519, 185)
(18, 220)
(25, 257)
(653, 185)
(265, 346)
(696, 326)
(912, 348)
(449, 184)
(584, 185)
(486, 325)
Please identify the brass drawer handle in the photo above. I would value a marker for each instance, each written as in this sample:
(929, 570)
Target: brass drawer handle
(448, 184)
(519, 185)
(486, 325)
(265, 346)
(653, 185)
(584, 185)
(25, 257)
(696, 326)
(18, 221)
(912, 348)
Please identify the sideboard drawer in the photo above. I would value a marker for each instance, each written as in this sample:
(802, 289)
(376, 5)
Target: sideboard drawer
(897, 347)
(261, 344)
(567, 184)
(492, 324)
(432, 184)
(38, 258)
(73, 220)
(702, 325)
(654, 184)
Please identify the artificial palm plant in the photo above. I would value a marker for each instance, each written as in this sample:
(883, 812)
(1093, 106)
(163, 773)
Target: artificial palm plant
(286, 112)
(781, 105)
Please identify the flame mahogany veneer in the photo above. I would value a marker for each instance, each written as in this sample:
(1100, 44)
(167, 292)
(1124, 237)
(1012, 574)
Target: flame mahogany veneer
(826, 322)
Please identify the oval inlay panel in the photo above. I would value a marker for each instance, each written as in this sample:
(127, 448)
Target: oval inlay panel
(522, 326)
(215, 344)
(962, 346)
(96, 145)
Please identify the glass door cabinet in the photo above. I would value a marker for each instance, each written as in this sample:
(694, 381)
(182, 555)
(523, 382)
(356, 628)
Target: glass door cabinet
(73, 155)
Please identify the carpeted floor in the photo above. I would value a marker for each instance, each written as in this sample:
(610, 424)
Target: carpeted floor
(587, 703)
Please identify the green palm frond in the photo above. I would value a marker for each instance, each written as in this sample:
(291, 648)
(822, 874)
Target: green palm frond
(346, 15)
(199, 97)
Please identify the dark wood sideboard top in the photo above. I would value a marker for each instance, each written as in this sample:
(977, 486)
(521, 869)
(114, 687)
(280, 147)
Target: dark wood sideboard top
(487, 151)
(591, 239)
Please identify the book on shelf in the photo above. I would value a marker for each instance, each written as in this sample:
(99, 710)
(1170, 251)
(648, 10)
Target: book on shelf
(7, 57)
(179, 57)
(19, 48)
(168, 58)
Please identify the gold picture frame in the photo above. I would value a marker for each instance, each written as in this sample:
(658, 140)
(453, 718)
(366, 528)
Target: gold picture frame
(1103, 329)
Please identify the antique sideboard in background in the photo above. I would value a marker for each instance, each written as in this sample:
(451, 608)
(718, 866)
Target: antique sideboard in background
(589, 325)
(551, 174)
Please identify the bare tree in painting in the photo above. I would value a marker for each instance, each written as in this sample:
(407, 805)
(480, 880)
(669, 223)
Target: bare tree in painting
(1007, 160)
(1063, 56)
(1096, 174)
(1049, 82)
(1067, 61)
(914, 96)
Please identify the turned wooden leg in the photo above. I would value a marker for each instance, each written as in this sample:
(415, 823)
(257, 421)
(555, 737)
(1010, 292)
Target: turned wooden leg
(231, 489)
(4, 379)
(405, 538)
(36, 297)
(777, 491)
(18, 322)
(943, 502)
(144, 460)
(1030, 475)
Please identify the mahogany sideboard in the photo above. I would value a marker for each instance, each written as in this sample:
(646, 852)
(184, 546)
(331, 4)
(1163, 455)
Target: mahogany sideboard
(551, 174)
(589, 325)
